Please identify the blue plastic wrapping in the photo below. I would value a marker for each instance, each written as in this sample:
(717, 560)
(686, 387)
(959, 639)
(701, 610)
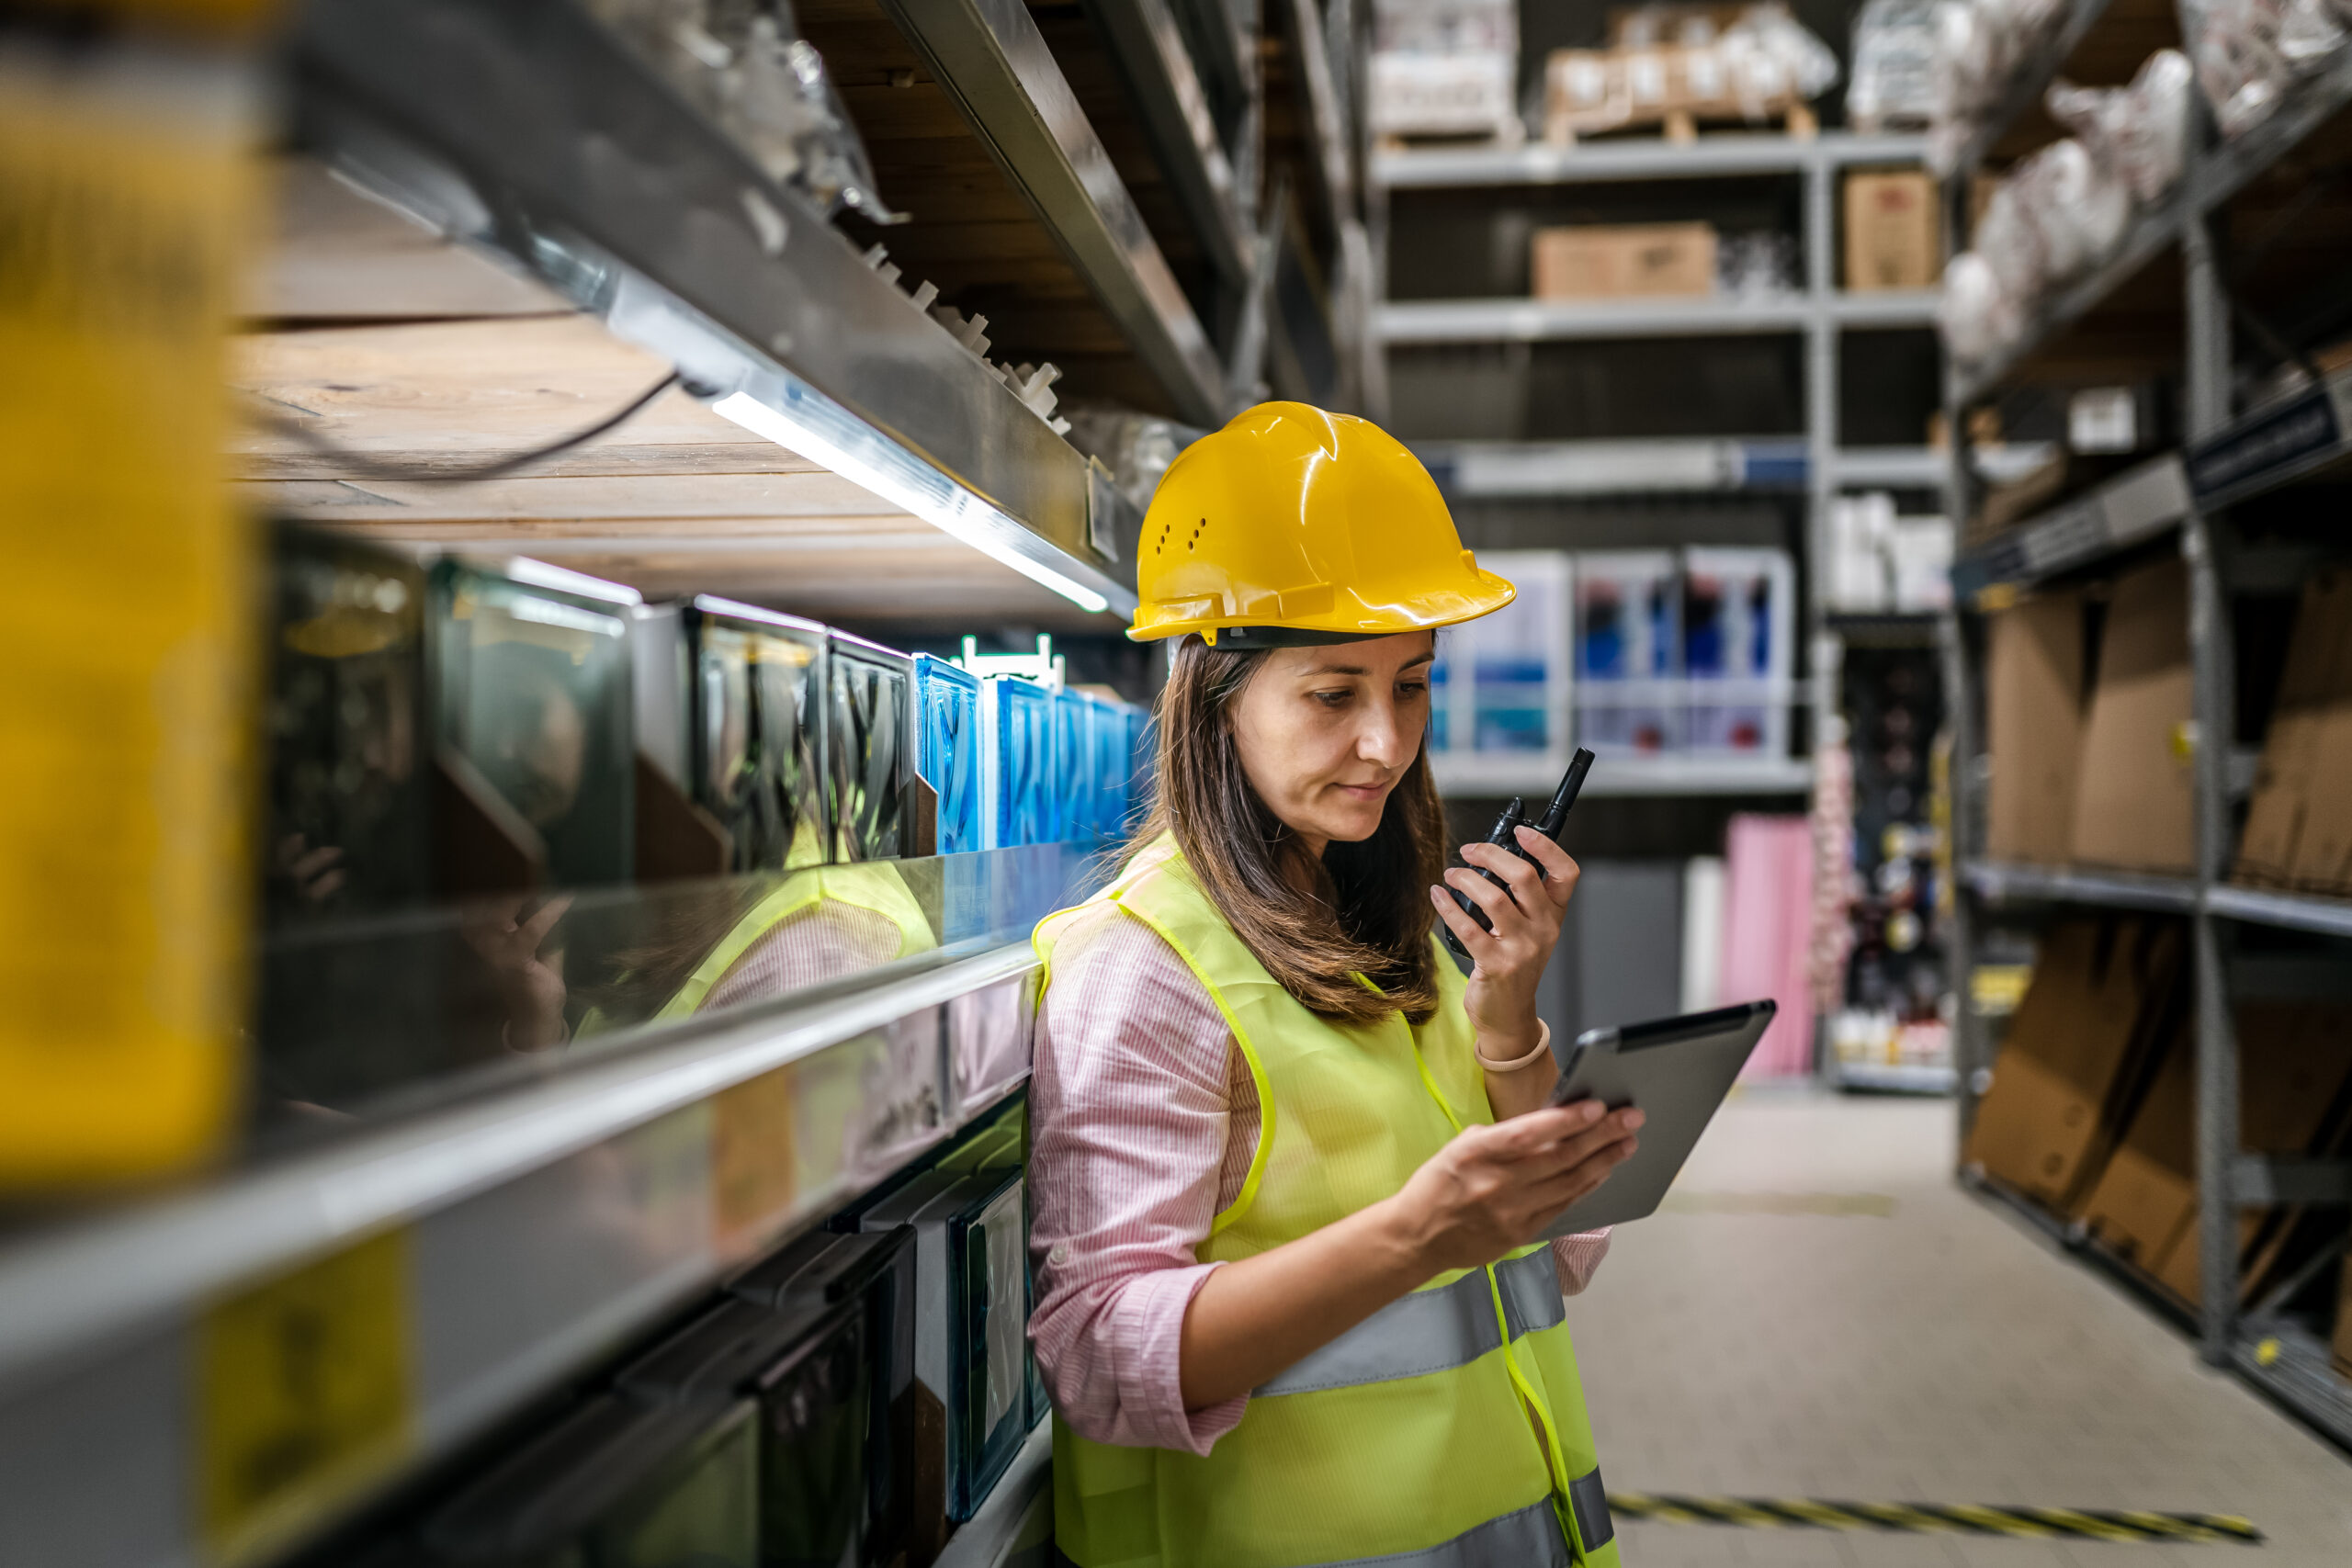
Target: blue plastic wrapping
(1016, 758)
(947, 709)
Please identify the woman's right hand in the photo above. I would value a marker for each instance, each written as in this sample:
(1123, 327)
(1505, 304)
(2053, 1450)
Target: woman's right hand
(1494, 1189)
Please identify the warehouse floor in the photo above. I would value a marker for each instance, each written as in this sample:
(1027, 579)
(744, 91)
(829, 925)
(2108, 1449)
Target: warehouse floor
(1821, 1312)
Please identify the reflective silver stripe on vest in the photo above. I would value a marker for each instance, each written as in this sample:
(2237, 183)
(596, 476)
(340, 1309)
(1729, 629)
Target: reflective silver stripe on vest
(1431, 1331)
(1527, 1539)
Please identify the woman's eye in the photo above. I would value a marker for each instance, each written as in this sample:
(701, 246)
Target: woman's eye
(1410, 690)
(1332, 699)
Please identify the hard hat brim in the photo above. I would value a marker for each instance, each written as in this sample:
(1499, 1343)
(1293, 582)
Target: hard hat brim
(1480, 593)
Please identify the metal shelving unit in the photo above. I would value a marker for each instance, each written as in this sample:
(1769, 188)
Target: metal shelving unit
(1541, 320)
(1818, 312)
(580, 228)
(993, 61)
(2229, 460)
(1501, 773)
(1667, 466)
(1711, 157)
(488, 124)
(504, 1241)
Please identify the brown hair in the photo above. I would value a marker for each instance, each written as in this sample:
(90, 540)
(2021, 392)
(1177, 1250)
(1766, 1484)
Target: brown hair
(1369, 911)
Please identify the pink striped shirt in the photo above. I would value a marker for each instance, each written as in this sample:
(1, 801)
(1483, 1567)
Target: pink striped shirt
(1143, 1122)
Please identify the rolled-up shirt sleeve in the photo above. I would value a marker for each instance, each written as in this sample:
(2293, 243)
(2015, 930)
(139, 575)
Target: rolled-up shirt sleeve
(1131, 1110)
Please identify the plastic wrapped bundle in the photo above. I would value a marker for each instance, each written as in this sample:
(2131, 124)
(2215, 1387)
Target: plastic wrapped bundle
(1976, 318)
(2141, 132)
(1894, 65)
(2011, 244)
(2079, 208)
(744, 63)
(2235, 46)
(1768, 55)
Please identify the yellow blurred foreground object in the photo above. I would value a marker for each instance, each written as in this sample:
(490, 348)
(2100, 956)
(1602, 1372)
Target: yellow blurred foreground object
(1291, 520)
(124, 187)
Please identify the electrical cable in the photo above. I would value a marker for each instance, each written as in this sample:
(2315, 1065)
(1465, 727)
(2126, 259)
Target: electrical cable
(362, 466)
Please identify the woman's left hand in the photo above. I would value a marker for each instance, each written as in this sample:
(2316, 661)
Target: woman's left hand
(1526, 912)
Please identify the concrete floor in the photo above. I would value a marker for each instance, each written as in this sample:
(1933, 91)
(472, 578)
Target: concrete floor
(1821, 1312)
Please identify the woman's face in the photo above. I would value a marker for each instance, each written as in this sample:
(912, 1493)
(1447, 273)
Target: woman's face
(1325, 733)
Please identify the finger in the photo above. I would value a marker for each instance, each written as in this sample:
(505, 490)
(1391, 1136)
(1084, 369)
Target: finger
(1459, 923)
(317, 861)
(1495, 901)
(535, 929)
(1560, 869)
(1538, 1131)
(1584, 1143)
(1525, 879)
(1590, 1171)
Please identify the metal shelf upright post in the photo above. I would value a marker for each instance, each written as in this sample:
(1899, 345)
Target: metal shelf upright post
(2226, 460)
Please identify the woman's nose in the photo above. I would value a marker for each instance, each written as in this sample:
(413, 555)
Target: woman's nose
(1382, 739)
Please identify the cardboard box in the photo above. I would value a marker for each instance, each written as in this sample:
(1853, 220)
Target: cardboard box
(1895, 236)
(1623, 260)
(2078, 1053)
(2134, 805)
(2293, 1062)
(2146, 1198)
(2299, 824)
(2033, 721)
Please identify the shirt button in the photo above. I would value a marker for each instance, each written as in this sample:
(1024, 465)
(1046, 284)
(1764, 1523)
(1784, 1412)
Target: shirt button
(1058, 1256)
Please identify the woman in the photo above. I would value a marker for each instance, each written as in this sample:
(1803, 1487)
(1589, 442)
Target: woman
(1279, 1247)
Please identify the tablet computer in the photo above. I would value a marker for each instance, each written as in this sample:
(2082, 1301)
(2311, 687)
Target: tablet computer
(1677, 1071)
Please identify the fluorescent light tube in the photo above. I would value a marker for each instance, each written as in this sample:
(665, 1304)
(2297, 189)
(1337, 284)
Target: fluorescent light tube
(899, 477)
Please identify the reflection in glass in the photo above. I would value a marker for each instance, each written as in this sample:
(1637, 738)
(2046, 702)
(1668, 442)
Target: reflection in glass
(533, 698)
(867, 728)
(757, 719)
(815, 1405)
(617, 1486)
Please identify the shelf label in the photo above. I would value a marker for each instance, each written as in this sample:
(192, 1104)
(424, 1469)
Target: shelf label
(2281, 438)
(305, 1394)
(751, 1174)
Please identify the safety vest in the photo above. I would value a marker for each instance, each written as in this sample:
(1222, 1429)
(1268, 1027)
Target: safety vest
(1448, 1429)
(875, 886)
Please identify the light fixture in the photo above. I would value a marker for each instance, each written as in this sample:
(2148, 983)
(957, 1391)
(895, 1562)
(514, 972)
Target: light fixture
(830, 436)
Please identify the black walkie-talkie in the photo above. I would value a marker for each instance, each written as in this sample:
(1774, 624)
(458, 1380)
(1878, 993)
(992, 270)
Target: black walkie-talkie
(1555, 817)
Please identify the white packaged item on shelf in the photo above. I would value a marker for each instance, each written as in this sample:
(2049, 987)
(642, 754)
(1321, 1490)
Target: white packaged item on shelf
(1445, 27)
(1738, 624)
(1860, 572)
(2235, 46)
(2152, 142)
(2141, 131)
(2080, 207)
(1504, 680)
(2012, 244)
(1628, 651)
(1438, 94)
(1976, 318)
(1920, 552)
(1445, 67)
(1894, 65)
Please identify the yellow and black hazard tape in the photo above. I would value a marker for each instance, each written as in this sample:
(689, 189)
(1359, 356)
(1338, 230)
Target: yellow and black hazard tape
(1810, 1513)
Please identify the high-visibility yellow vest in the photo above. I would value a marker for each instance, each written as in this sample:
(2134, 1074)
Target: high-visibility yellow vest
(873, 885)
(1448, 1429)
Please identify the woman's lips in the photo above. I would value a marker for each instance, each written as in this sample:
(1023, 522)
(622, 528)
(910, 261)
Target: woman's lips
(1362, 791)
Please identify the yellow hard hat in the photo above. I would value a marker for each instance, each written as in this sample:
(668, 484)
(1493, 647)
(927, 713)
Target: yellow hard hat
(1293, 525)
